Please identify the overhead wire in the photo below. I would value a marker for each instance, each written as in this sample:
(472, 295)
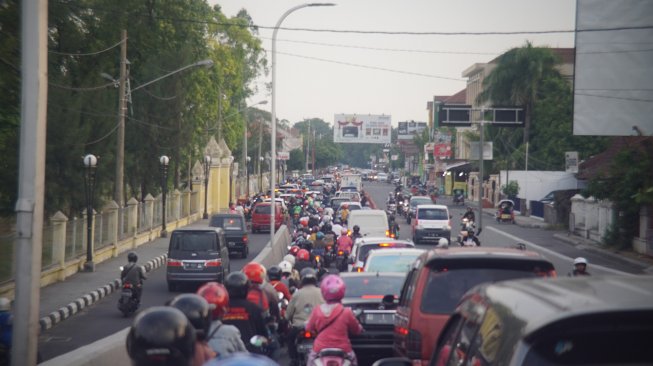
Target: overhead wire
(86, 53)
(90, 88)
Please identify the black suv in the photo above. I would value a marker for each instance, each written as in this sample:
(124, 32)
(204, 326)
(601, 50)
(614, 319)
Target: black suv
(197, 255)
(235, 232)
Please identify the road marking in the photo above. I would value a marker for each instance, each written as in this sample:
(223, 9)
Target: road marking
(553, 253)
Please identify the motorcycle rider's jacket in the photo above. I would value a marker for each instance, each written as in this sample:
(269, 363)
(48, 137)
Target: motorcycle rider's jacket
(6, 328)
(225, 339)
(333, 323)
(273, 300)
(345, 243)
(469, 215)
(302, 303)
(303, 264)
(256, 296)
(248, 318)
(133, 273)
(319, 244)
(282, 288)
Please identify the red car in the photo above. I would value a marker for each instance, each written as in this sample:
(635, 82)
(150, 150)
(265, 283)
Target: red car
(261, 217)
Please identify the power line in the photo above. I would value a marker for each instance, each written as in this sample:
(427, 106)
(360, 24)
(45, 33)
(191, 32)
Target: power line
(90, 88)
(86, 54)
(370, 67)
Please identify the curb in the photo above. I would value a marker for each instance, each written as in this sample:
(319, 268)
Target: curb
(583, 244)
(92, 297)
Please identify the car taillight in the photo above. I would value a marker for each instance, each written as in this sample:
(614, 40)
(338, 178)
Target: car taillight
(387, 233)
(174, 263)
(359, 269)
(414, 344)
(401, 331)
(245, 238)
(214, 263)
(349, 232)
(392, 236)
(416, 222)
(552, 273)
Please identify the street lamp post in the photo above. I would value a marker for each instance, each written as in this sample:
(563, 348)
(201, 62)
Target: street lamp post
(247, 169)
(164, 160)
(260, 175)
(207, 171)
(273, 131)
(90, 162)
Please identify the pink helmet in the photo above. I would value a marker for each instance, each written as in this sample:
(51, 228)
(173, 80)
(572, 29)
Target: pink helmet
(333, 288)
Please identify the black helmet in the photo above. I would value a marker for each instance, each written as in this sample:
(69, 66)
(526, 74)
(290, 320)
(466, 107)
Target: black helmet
(308, 276)
(327, 227)
(274, 273)
(161, 335)
(237, 285)
(197, 310)
(132, 257)
(357, 229)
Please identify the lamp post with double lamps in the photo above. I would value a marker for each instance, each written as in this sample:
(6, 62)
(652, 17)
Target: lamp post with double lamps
(273, 131)
(90, 163)
(207, 172)
(163, 161)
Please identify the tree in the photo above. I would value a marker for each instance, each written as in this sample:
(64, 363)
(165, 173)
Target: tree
(297, 160)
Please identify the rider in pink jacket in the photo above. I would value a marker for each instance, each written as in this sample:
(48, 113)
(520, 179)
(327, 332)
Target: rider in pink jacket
(332, 321)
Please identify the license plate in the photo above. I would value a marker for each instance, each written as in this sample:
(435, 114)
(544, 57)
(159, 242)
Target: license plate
(231, 244)
(194, 266)
(382, 318)
(305, 347)
(127, 293)
(505, 216)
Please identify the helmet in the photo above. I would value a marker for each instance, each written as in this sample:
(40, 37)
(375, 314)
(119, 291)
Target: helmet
(274, 273)
(242, 359)
(5, 304)
(319, 235)
(303, 255)
(357, 229)
(343, 231)
(197, 310)
(290, 259)
(216, 294)
(293, 250)
(285, 266)
(345, 205)
(304, 222)
(333, 288)
(316, 229)
(443, 243)
(132, 257)
(308, 276)
(580, 260)
(327, 227)
(161, 335)
(237, 285)
(320, 209)
(254, 272)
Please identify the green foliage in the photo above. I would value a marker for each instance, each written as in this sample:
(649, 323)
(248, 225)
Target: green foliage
(326, 151)
(297, 160)
(511, 189)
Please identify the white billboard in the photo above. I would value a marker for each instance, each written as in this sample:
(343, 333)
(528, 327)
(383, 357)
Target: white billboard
(371, 128)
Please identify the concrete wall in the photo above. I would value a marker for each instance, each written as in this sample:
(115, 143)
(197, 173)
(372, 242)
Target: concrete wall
(535, 184)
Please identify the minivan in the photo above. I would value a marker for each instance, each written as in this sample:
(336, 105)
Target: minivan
(431, 223)
(371, 222)
(196, 255)
(235, 232)
(438, 279)
(567, 321)
(261, 217)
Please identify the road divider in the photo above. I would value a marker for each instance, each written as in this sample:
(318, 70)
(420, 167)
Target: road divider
(274, 252)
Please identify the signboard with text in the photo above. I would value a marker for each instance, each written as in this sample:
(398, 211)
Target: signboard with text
(283, 155)
(370, 129)
(571, 162)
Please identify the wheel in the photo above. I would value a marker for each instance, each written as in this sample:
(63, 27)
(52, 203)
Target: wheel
(172, 286)
(408, 219)
(244, 253)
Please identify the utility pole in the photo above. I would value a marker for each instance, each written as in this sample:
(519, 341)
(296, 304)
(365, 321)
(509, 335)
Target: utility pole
(260, 142)
(31, 180)
(118, 195)
(308, 143)
(313, 157)
(480, 178)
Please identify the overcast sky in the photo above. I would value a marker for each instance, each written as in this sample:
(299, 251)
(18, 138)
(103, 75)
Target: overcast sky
(308, 87)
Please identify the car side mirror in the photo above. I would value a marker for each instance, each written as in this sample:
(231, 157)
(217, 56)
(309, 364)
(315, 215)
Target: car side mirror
(393, 361)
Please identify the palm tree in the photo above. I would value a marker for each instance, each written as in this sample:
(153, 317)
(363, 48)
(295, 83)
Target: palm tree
(517, 78)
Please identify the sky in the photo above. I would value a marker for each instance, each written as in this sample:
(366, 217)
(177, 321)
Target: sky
(316, 76)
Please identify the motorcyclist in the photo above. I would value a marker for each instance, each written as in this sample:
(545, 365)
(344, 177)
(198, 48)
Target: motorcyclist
(319, 246)
(223, 339)
(300, 308)
(198, 313)
(242, 314)
(344, 242)
(580, 268)
(469, 214)
(134, 275)
(274, 276)
(332, 321)
(393, 225)
(303, 260)
(161, 335)
(288, 275)
(260, 292)
(356, 233)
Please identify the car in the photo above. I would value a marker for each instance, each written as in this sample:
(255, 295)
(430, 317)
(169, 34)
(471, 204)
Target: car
(391, 260)
(196, 255)
(382, 177)
(261, 217)
(370, 222)
(438, 279)
(235, 232)
(351, 206)
(412, 205)
(280, 201)
(352, 196)
(431, 223)
(337, 201)
(348, 189)
(363, 246)
(582, 320)
(373, 298)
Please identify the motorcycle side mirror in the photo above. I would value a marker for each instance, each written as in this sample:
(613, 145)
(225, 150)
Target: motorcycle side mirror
(258, 341)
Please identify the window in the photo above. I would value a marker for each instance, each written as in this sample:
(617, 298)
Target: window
(464, 345)
(420, 201)
(409, 287)
(391, 263)
(194, 242)
(263, 209)
(364, 250)
(373, 286)
(432, 214)
(446, 340)
(227, 223)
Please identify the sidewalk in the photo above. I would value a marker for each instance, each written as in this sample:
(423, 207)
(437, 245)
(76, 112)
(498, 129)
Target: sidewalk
(64, 299)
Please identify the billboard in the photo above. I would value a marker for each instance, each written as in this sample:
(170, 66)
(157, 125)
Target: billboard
(407, 130)
(474, 152)
(283, 155)
(371, 129)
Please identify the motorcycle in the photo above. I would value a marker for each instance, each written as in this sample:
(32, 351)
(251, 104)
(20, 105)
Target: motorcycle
(304, 346)
(333, 357)
(467, 237)
(128, 303)
(458, 197)
(506, 211)
(341, 260)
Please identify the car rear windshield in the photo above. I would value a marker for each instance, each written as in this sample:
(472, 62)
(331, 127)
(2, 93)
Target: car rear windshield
(193, 242)
(447, 283)
(420, 201)
(391, 263)
(227, 223)
(364, 250)
(432, 214)
(373, 286)
(369, 221)
(263, 209)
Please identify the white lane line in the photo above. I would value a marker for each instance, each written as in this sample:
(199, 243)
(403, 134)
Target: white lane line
(553, 253)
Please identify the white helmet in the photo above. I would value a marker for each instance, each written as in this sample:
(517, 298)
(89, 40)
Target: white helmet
(5, 304)
(580, 260)
(442, 243)
(290, 259)
(285, 266)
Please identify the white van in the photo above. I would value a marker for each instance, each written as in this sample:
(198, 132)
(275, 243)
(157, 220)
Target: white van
(371, 222)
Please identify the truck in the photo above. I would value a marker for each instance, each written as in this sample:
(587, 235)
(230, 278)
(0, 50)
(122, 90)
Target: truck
(351, 180)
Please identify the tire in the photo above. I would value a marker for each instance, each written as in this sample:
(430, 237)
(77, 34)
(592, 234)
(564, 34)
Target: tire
(172, 287)
(244, 253)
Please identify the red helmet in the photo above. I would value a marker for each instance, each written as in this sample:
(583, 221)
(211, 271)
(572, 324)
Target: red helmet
(293, 250)
(303, 255)
(215, 293)
(254, 272)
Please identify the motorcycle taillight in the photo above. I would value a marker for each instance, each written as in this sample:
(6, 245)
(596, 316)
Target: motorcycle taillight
(308, 334)
(127, 285)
